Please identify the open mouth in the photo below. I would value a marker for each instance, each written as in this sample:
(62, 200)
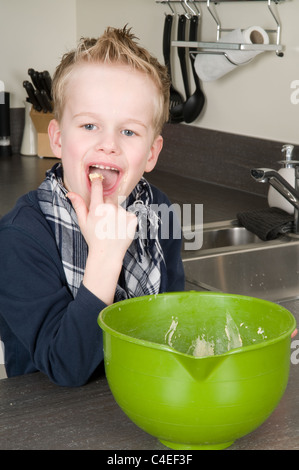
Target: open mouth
(108, 174)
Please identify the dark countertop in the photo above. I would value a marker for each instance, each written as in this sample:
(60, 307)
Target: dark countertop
(219, 202)
(36, 414)
(18, 175)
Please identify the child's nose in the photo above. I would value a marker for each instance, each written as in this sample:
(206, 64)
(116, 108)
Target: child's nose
(107, 143)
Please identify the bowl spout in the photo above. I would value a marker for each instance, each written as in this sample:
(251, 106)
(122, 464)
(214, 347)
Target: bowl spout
(201, 368)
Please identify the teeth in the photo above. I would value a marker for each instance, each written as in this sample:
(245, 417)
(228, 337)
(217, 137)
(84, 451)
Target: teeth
(102, 167)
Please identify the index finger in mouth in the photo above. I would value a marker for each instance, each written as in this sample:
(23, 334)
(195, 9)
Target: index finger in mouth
(96, 197)
(94, 176)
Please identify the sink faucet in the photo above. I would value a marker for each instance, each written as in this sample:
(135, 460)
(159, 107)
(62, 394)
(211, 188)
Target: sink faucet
(274, 178)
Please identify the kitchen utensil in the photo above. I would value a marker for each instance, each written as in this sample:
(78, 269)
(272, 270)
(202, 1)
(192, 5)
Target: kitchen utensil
(34, 77)
(39, 98)
(194, 104)
(39, 94)
(48, 83)
(31, 96)
(175, 97)
(182, 53)
(46, 101)
(177, 111)
(191, 402)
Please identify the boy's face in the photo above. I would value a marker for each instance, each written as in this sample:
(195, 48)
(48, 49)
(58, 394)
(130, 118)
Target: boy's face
(106, 127)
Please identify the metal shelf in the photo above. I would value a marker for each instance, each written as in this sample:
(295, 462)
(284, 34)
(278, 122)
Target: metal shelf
(190, 8)
(165, 2)
(228, 45)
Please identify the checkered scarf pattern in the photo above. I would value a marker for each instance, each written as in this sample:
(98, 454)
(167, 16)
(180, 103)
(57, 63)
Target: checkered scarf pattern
(141, 264)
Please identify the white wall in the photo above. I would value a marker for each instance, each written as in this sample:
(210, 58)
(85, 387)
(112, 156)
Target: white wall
(254, 100)
(33, 33)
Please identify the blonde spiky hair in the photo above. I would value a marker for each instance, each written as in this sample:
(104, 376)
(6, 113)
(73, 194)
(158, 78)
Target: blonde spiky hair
(115, 46)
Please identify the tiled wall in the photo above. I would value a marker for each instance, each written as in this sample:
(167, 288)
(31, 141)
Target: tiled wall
(218, 157)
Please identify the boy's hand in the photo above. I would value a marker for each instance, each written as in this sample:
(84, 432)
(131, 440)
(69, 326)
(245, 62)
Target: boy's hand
(103, 221)
(108, 230)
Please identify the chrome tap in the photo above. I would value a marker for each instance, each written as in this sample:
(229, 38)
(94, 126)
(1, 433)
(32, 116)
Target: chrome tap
(274, 178)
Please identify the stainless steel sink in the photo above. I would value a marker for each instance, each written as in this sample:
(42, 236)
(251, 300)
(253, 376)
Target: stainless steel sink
(268, 270)
(223, 236)
(232, 236)
(226, 234)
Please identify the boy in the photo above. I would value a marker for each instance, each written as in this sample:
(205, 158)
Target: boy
(59, 265)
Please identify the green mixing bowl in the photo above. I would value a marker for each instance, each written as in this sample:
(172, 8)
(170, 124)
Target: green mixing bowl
(197, 370)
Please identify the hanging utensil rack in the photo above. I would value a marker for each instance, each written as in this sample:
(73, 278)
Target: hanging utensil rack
(190, 7)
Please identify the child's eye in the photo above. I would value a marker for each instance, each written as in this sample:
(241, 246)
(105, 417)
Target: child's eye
(128, 133)
(89, 127)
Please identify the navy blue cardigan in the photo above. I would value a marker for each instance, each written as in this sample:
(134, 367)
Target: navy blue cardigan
(42, 326)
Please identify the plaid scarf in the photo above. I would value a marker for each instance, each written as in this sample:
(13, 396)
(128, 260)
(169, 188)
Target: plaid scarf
(141, 264)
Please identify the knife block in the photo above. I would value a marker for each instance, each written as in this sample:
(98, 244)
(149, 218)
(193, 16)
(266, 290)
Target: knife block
(41, 122)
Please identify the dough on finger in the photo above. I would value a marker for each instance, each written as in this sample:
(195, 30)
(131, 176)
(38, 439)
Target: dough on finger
(94, 176)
